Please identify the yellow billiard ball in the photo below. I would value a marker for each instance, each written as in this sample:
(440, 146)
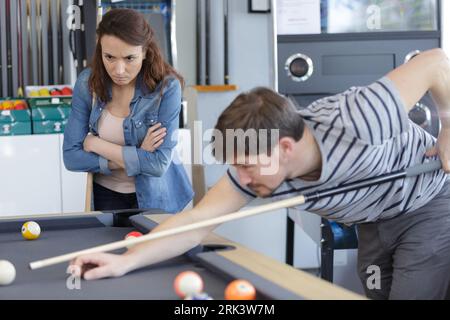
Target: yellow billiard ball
(31, 230)
(44, 92)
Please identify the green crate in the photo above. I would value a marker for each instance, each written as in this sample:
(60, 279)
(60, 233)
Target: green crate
(15, 122)
(49, 115)
(49, 126)
(49, 102)
(49, 119)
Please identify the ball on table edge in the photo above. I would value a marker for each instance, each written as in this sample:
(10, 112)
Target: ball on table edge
(188, 283)
(31, 230)
(131, 235)
(240, 290)
(7, 273)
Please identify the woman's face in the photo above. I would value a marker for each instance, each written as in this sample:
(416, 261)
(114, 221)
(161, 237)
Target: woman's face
(122, 61)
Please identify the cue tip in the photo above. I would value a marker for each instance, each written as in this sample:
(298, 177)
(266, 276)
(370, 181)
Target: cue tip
(35, 265)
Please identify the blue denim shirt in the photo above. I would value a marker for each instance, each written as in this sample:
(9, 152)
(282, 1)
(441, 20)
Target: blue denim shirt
(161, 183)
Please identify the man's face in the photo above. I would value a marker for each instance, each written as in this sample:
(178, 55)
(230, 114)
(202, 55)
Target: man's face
(261, 173)
(121, 60)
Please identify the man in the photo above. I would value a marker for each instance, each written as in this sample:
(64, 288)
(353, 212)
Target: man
(403, 226)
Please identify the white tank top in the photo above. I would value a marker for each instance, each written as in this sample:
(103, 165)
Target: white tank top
(110, 128)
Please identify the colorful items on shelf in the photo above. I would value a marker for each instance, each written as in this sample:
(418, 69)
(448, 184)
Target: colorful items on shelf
(48, 91)
(15, 117)
(13, 105)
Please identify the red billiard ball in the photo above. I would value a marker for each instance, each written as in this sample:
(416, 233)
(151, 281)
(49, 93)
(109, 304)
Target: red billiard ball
(20, 105)
(240, 290)
(188, 283)
(133, 234)
(66, 91)
(55, 92)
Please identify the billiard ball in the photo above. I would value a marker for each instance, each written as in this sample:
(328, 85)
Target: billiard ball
(66, 91)
(199, 296)
(20, 105)
(240, 290)
(131, 235)
(7, 272)
(44, 92)
(7, 105)
(55, 92)
(31, 230)
(188, 283)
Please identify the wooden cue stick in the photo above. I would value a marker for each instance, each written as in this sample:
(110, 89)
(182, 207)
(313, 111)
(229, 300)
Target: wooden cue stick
(169, 232)
(207, 41)
(291, 202)
(225, 42)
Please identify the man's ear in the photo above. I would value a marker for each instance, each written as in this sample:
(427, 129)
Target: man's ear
(286, 145)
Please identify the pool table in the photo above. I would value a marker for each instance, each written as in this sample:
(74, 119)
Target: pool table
(217, 260)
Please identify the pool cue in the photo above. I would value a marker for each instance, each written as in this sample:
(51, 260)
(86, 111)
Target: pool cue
(198, 26)
(294, 201)
(225, 42)
(207, 41)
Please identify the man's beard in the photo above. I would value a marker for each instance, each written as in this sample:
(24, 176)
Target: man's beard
(266, 190)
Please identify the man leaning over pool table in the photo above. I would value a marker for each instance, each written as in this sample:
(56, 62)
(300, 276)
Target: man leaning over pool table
(362, 132)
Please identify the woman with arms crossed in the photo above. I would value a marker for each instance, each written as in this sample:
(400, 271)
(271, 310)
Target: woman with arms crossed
(125, 111)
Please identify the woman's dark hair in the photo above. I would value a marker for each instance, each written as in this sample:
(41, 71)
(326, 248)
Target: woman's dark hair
(131, 27)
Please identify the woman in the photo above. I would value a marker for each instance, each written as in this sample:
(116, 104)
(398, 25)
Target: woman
(125, 110)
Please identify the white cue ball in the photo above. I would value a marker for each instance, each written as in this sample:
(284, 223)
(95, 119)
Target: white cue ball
(7, 273)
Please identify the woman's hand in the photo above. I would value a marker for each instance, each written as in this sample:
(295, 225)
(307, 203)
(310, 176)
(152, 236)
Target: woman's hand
(89, 141)
(154, 138)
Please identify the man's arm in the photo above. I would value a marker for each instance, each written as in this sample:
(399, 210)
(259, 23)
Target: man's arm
(223, 198)
(428, 71)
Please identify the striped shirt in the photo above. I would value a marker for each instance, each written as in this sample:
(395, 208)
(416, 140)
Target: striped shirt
(364, 132)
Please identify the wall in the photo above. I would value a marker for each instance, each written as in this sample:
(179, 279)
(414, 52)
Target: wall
(185, 31)
(250, 46)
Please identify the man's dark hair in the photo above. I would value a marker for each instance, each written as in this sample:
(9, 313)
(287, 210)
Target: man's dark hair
(258, 109)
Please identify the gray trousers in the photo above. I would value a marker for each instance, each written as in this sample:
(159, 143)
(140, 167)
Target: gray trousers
(408, 257)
